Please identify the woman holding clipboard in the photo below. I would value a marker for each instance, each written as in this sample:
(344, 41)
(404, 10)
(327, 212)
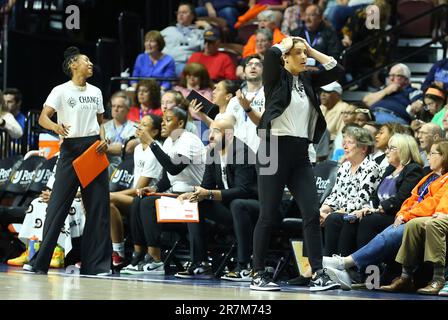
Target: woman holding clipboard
(79, 107)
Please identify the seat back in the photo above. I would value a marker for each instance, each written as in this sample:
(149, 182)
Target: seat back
(42, 175)
(407, 9)
(7, 168)
(325, 174)
(123, 176)
(24, 175)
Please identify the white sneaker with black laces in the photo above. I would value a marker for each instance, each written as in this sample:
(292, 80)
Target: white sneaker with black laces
(321, 281)
(262, 281)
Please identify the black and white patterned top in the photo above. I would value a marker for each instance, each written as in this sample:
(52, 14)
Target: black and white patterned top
(352, 191)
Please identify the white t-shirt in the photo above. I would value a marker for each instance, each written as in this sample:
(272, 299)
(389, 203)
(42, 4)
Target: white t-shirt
(294, 121)
(146, 165)
(245, 129)
(190, 146)
(224, 171)
(77, 108)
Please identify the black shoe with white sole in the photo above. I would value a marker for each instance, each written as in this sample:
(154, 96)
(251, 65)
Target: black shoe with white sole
(262, 281)
(321, 281)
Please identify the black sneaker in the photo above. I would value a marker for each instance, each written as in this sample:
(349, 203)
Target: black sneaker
(262, 281)
(299, 281)
(196, 271)
(321, 281)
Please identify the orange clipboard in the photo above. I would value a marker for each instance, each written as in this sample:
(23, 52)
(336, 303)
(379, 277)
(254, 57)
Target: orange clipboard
(90, 164)
(165, 215)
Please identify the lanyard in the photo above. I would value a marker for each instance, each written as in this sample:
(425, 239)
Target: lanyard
(426, 185)
(117, 133)
(316, 38)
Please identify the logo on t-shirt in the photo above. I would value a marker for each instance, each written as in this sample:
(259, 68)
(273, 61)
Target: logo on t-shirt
(71, 102)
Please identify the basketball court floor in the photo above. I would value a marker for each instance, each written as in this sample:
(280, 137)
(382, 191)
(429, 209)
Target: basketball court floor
(17, 284)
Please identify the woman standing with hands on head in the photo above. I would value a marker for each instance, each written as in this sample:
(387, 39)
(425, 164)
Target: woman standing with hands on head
(291, 121)
(79, 107)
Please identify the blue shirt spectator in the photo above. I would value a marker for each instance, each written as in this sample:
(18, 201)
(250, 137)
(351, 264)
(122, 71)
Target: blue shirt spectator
(153, 63)
(438, 75)
(13, 101)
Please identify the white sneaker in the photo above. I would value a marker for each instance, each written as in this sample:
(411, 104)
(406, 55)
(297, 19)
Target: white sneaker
(340, 276)
(335, 262)
(156, 268)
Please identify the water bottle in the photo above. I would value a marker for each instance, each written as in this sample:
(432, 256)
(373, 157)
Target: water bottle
(32, 247)
(124, 83)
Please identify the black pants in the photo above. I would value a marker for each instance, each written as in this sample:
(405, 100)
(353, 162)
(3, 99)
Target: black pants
(245, 214)
(293, 170)
(344, 238)
(197, 232)
(145, 229)
(96, 247)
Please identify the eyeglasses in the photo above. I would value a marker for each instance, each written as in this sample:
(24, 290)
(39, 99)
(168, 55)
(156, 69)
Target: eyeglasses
(432, 153)
(392, 75)
(254, 64)
(391, 149)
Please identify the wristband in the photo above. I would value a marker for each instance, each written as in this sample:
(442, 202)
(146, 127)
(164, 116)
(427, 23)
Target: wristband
(210, 195)
(248, 110)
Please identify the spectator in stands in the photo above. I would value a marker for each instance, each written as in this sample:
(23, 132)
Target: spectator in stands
(386, 131)
(423, 237)
(437, 76)
(229, 175)
(7, 120)
(373, 128)
(13, 100)
(363, 115)
(263, 39)
(183, 160)
(226, 9)
(247, 106)
(266, 19)
(338, 14)
(173, 98)
(422, 203)
(332, 107)
(258, 6)
(348, 118)
(219, 65)
(195, 77)
(376, 52)
(184, 38)
(119, 130)
(428, 134)
(401, 176)
(294, 16)
(434, 106)
(148, 100)
(153, 63)
(356, 180)
(223, 92)
(318, 33)
(395, 101)
(147, 172)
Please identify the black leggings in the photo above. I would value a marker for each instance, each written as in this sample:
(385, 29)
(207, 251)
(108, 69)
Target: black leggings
(344, 238)
(293, 170)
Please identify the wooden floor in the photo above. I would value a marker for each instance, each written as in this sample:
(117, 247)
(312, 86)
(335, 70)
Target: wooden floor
(16, 283)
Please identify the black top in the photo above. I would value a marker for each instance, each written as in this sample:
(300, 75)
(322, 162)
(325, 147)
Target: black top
(278, 86)
(408, 178)
(240, 170)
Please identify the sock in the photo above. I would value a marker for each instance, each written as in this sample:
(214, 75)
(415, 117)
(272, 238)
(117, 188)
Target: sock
(348, 262)
(439, 272)
(118, 248)
(407, 272)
